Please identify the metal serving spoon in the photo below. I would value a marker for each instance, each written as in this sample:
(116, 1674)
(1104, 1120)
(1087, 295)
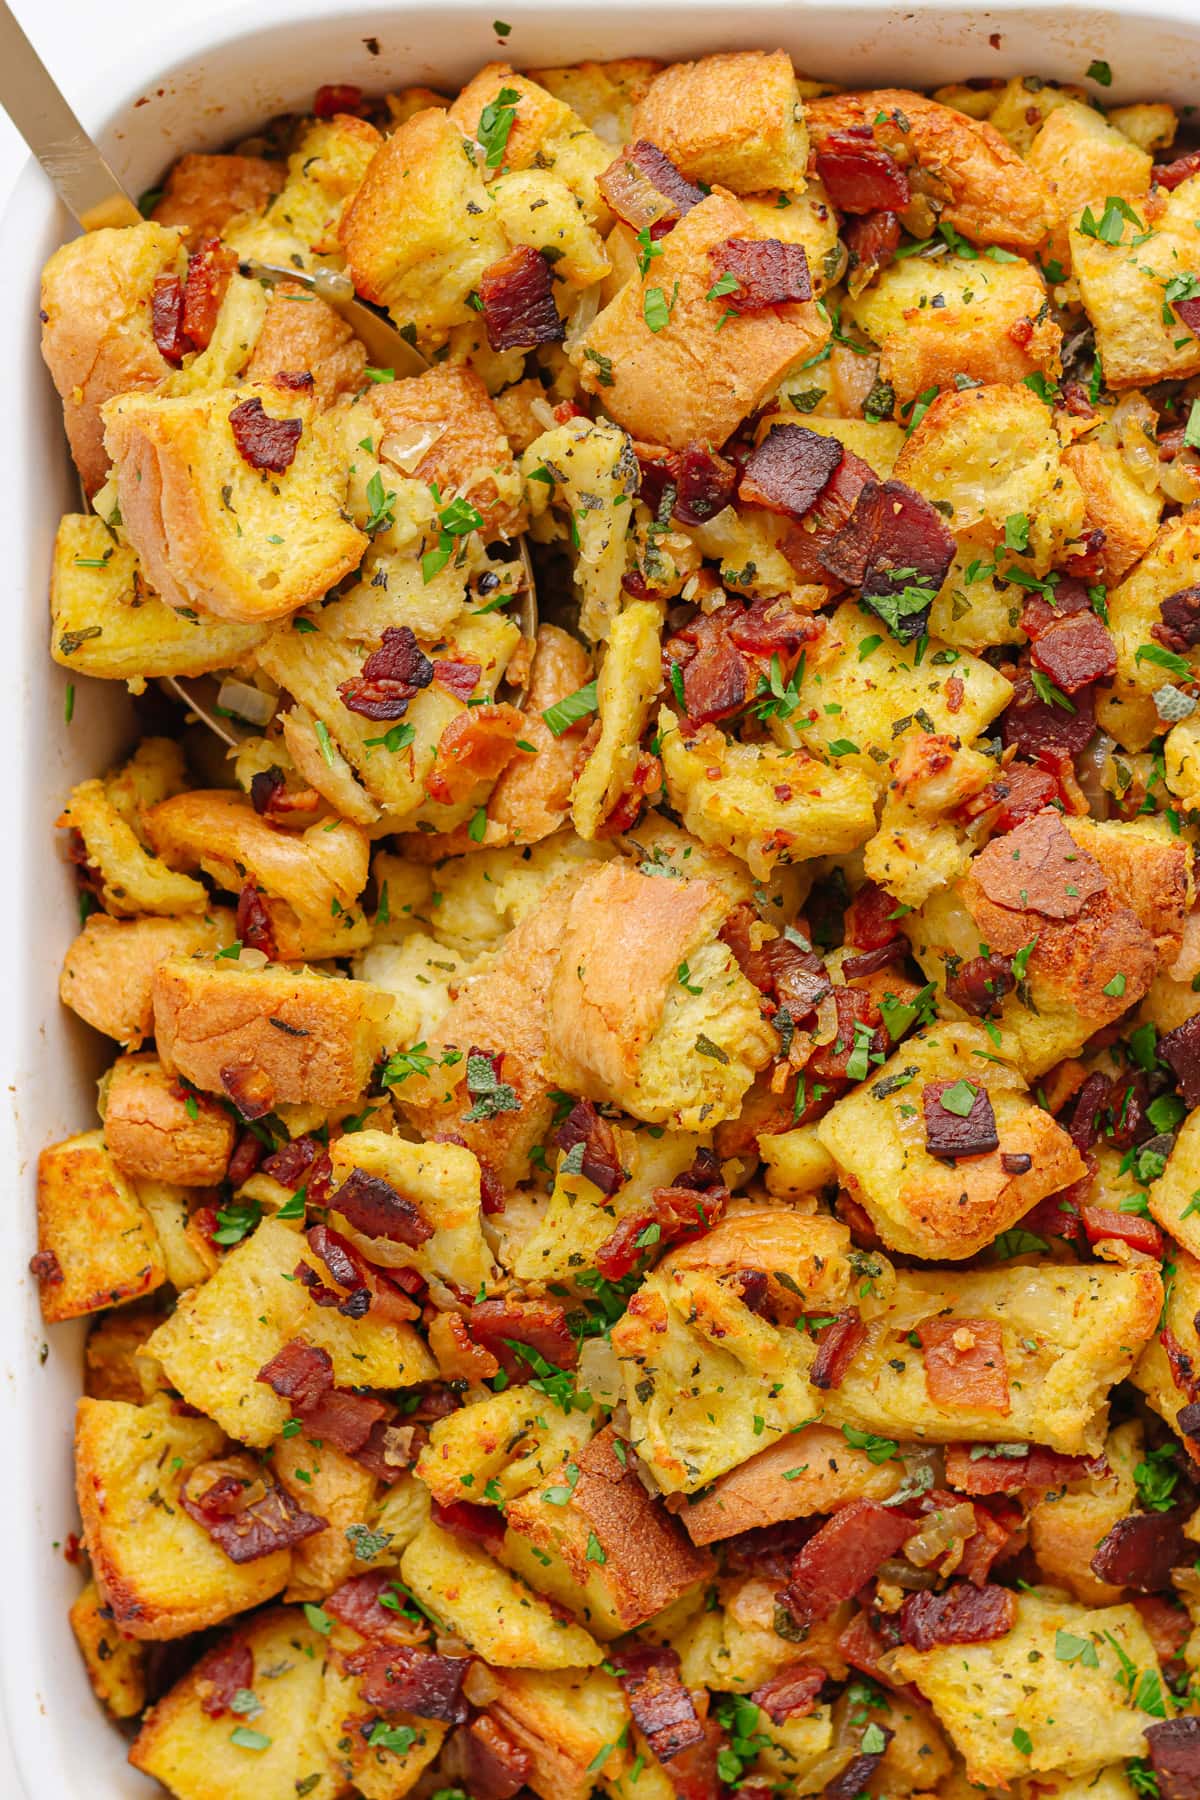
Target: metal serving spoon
(92, 194)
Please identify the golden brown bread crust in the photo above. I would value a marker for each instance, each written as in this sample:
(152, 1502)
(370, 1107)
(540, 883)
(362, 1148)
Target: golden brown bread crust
(727, 118)
(307, 334)
(153, 1134)
(810, 1471)
(108, 971)
(1146, 873)
(470, 445)
(96, 1241)
(533, 795)
(202, 193)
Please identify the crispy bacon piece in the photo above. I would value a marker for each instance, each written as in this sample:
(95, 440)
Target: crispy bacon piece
(980, 984)
(1087, 1115)
(541, 1325)
(303, 1160)
(253, 922)
(1188, 312)
(894, 540)
(337, 97)
(1180, 1049)
(483, 1525)
(246, 1530)
(1167, 1623)
(262, 441)
(661, 1706)
(46, 1267)
(374, 1207)
(1139, 1552)
(644, 188)
(474, 747)
(836, 1347)
(248, 1088)
(805, 545)
(225, 1671)
(871, 920)
(791, 977)
(791, 1693)
(517, 298)
(704, 483)
(767, 272)
(460, 678)
(300, 1373)
(346, 1420)
(345, 1265)
(1178, 624)
(844, 1554)
(854, 1007)
(964, 1614)
(403, 1678)
(859, 175)
(1020, 790)
(210, 268)
(1174, 1744)
(391, 1449)
(872, 240)
(1075, 650)
(391, 677)
(357, 1603)
(485, 1760)
(600, 1163)
(271, 798)
(1043, 728)
(678, 1212)
(1037, 1472)
(871, 961)
(860, 1770)
(788, 470)
(964, 1364)
(166, 319)
(1171, 175)
(951, 1136)
(1101, 1222)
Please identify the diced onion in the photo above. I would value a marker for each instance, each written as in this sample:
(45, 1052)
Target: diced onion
(600, 1372)
(407, 447)
(941, 1530)
(582, 314)
(246, 702)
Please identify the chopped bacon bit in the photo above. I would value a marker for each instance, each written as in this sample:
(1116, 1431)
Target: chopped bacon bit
(1171, 175)
(895, 539)
(645, 779)
(249, 1089)
(1043, 728)
(858, 1772)
(406, 1679)
(295, 381)
(246, 1530)
(225, 1671)
(475, 746)
(460, 678)
(767, 272)
(1021, 790)
(698, 482)
(1036, 1472)
(788, 470)
(872, 240)
(517, 298)
(854, 1007)
(1102, 1222)
(374, 1207)
(854, 968)
(253, 922)
(871, 920)
(767, 1551)
(485, 1760)
(541, 1325)
(791, 1693)
(208, 275)
(1040, 868)
(843, 1555)
(714, 674)
(357, 1603)
(600, 1163)
(1180, 1049)
(964, 1364)
(783, 972)
(1174, 1744)
(1188, 312)
(980, 984)
(265, 789)
(1087, 1115)
(263, 441)
(337, 97)
(300, 1373)
(837, 1343)
(1140, 1551)
(345, 1420)
(391, 677)
(391, 1449)
(1075, 399)
(1166, 1622)
(859, 175)
(1075, 652)
(483, 1525)
(950, 1136)
(304, 1159)
(678, 1212)
(345, 1265)
(1178, 624)
(805, 547)
(644, 188)
(166, 319)
(964, 1614)
(661, 1706)
(45, 1265)
(992, 1540)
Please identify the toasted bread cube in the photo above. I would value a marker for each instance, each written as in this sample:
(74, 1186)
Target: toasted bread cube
(603, 94)
(1081, 156)
(1148, 869)
(796, 1162)
(202, 193)
(506, 1443)
(532, 798)
(765, 804)
(934, 320)
(734, 1647)
(921, 845)
(346, 1725)
(324, 173)
(629, 679)
(1067, 1525)
(734, 118)
(612, 1554)
(701, 374)
(104, 621)
(160, 1572)
(213, 533)
(304, 1038)
(810, 1471)
(1068, 1334)
(627, 1028)
(469, 454)
(115, 1663)
(96, 1242)
(544, 132)
(108, 972)
(152, 1132)
(571, 1725)
(1017, 108)
(593, 459)
(1075, 1716)
(422, 229)
(132, 880)
(537, 209)
(112, 1367)
(1139, 337)
(97, 338)
(198, 1756)
(303, 333)
(443, 1181)
(1171, 1196)
(325, 1481)
(1116, 503)
(494, 1613)
(1171, 563)
(918, 1203)
(1153, 1373)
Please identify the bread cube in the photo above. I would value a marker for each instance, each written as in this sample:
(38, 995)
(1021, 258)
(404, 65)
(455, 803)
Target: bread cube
(1171, 1196)
(1068, 1334)
(1139, 337)
(104, 621)
(630, 677)
(1068, 1525)
(422, 229)
(324, 173)
(469, 454)
(214, 533)
(96, 1242)
(813, 1470)
(765, 804)
(544, 132)
(418, 974)
(160, 1572)
(700, 374)
(603, 94)
(532, 797)
(1081, 156)
(115, 1663)
(1153, 1374)
(132, 880)
(593, 476)
(442, 1180)
(796, 1162)
(984, 453)
(1171, 563)
(325, 1481)
(920, 1204)
(112, 1366)
(97, 336)
(506, 1443)
(346, 1724)
(494, 1613)
(1075, 1716)
(287, 1034)
(202, 193)
(198, 1756)
(1116, 503)
(1148, 869)
(188, 1254)
(572, 1725)
(536, 208)
(301, 332)
(937, 318)
(153, 1132)
(735, 1648)
(108, 971)
(733, 118)
(921, 845)
(809, 219)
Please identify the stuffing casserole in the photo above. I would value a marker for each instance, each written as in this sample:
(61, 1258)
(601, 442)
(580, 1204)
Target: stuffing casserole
(644, 1233)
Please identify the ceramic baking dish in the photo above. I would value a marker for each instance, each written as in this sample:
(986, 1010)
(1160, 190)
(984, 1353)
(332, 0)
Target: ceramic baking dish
(198, 86)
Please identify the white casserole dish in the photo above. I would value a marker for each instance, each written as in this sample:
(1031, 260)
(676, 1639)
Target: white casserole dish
(198, 87)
